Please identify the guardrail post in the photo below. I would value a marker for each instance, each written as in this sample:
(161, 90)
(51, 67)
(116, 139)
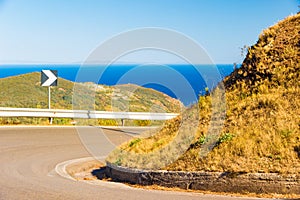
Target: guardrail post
(123, 122)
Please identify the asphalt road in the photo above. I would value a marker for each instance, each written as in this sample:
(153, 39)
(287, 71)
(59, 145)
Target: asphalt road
(28, 156)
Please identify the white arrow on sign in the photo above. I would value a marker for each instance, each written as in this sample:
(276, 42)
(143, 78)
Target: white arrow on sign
(51, 78)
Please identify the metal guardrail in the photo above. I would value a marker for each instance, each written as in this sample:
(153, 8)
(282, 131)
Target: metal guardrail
(84, 114)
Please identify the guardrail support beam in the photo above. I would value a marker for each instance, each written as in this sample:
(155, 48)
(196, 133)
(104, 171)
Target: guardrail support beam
(83, 114)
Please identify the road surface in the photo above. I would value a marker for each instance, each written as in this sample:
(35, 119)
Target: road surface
(28, 156)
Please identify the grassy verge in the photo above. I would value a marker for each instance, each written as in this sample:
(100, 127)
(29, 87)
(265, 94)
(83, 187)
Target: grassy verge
(261, 132)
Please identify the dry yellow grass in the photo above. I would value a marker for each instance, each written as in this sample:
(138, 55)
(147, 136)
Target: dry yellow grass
(261, 132)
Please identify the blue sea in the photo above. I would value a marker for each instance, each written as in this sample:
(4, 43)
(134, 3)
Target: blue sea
(184, 82)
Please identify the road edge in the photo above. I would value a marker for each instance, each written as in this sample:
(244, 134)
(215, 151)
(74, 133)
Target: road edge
(259, 183)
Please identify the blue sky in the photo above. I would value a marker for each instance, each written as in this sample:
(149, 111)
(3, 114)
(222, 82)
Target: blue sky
(60, 31)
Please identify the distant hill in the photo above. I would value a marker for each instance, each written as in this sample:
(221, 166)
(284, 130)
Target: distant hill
(262, 125)
(25, 91)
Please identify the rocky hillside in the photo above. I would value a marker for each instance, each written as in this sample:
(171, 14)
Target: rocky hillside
(24, 91)
(261, 132)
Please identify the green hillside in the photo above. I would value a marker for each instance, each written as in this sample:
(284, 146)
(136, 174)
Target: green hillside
(262, 124)
(25, 91)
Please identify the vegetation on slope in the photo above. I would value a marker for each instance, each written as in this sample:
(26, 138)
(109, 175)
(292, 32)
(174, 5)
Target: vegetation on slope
(261, 132)
(25, 91)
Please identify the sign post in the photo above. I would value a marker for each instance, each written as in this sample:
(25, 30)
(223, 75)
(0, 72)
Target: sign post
(49, 97)
(48, 79)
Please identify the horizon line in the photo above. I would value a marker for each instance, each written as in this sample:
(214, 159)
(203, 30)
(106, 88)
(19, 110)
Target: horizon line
(120, 63)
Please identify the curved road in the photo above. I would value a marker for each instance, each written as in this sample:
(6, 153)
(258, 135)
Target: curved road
(28, 156)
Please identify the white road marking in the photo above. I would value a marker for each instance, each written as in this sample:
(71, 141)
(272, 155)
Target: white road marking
(60, 169)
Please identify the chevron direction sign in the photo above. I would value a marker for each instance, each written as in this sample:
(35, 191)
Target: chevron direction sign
(49, 78)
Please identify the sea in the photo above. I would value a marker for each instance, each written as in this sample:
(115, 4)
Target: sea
(181, 81)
